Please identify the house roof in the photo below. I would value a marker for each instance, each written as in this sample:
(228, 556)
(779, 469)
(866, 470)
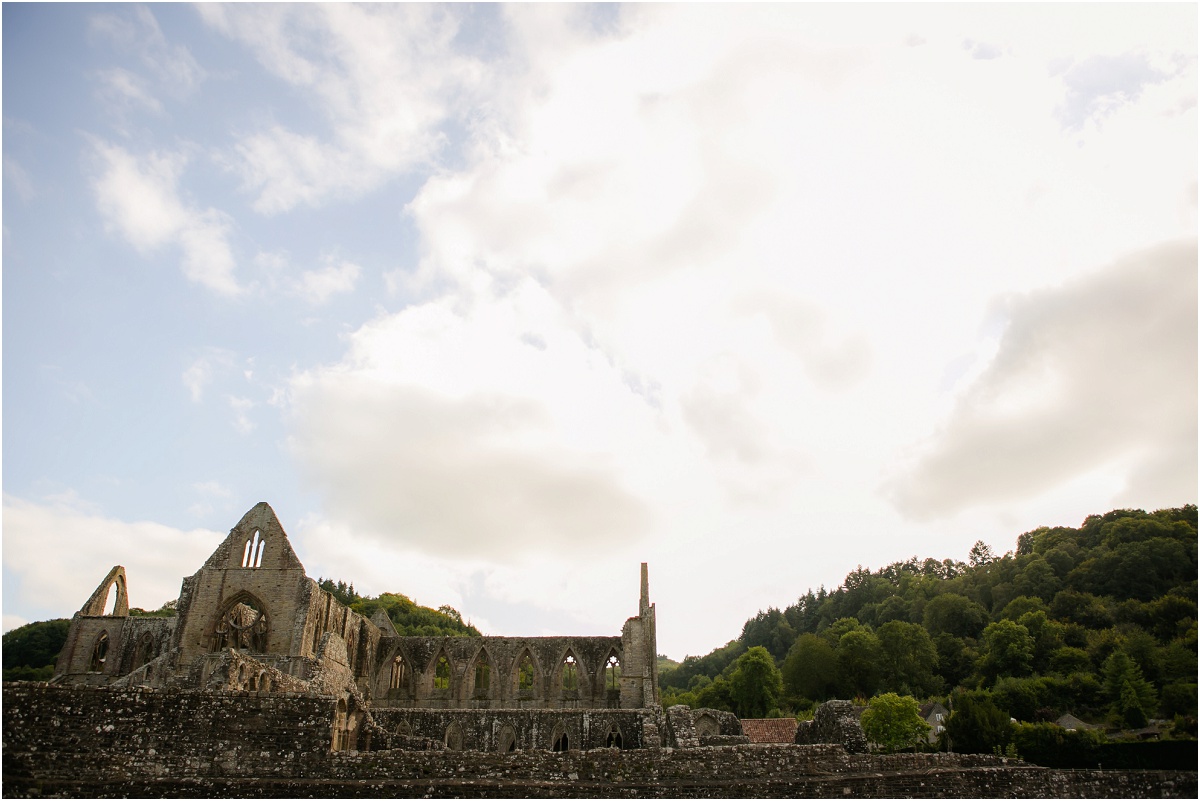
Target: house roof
(931, 707)
(769, 730)
(1069, 721)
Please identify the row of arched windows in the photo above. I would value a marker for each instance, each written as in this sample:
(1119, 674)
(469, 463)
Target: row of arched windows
(525, 678)
(145, 651)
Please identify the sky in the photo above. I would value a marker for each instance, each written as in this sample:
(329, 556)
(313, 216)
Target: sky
(493, 303)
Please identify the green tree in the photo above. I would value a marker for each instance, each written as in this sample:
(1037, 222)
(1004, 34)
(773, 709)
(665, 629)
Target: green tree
(954, 614)
(755, 684)
(34, 647)
(894, 722)
(1132, 699)
(909, 657)
(859, 655)
(1008, 649)
(1069, 660)
(810, 670)
(717, 694)
(981, 554)
(771, 630)
(412, 620)
(976, 725)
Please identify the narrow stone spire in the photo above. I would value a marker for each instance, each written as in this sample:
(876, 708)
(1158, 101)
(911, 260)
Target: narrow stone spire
(644, 606)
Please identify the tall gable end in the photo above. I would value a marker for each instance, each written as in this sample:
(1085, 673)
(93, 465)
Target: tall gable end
(257, 542)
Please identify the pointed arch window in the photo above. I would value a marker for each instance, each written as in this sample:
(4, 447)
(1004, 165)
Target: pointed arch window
(483, 675)
(244, 627)
(146, 650)
(99, 653)
(570, 673)
(399, 673)
(506, 743)
(441, 674)
(525, 673)
(612, 673)
(252, 554)
(454, 737)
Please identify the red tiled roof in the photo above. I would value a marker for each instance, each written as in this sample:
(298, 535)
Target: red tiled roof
(770, 730)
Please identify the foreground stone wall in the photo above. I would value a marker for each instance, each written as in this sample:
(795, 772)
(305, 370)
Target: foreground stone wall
(83, 741)
(505, 730)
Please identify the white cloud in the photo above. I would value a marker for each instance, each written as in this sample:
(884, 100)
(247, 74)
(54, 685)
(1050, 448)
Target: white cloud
(241, 413)
(200, 373)
(139, 197)
(716, 273)
(982, 51)
(1100, 85)
(448, 421)
(690, 282)
(124, 89)
(385, 79)
(318, 286)
(58, 553)
(137, 32)
(211, 495)
(16, 176)
(1101, 370)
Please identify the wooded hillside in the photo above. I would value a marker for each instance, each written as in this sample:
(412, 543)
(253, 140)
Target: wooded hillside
(1099, 621)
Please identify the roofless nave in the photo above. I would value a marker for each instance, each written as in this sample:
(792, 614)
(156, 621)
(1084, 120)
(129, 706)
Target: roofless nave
(251, 620)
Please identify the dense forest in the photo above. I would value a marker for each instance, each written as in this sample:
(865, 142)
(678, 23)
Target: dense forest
(1097, 621)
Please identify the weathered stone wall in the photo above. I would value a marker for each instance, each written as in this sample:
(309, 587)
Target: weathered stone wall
(252, 595)
(82, 741)
(503, 730)
(503, 655)
(834, 722)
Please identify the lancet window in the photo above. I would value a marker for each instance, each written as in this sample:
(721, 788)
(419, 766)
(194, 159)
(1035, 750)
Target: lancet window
(483, 675)
(253, 552)
(570, 675)
(441, 674)
(525, 673)
(99, 652)
(399, 673)
(612, 673)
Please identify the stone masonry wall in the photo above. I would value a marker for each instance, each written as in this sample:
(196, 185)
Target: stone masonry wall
(83, 741)
(503, 656)
(527, 729)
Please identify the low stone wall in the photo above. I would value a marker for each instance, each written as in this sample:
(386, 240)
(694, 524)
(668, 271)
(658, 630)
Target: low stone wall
(79, 741)
(524, 729)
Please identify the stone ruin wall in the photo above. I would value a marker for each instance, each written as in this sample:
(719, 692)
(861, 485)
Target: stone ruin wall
(256, 568)
(86, 741)
(503, 656)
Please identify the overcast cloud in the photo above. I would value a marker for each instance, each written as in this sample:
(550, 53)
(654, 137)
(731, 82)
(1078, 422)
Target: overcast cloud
(1099, 371)
(492, 303)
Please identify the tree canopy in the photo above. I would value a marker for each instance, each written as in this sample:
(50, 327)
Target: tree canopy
(1030, 631)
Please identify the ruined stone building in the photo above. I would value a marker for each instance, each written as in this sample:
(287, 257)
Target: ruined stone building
(251, 620)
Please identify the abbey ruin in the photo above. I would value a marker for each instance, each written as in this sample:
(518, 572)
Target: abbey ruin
(264, 684)
(251, 620)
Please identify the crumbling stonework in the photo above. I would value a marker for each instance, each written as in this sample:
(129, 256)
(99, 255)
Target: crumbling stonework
(81, 741)
(250, 619)
(834, 722)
